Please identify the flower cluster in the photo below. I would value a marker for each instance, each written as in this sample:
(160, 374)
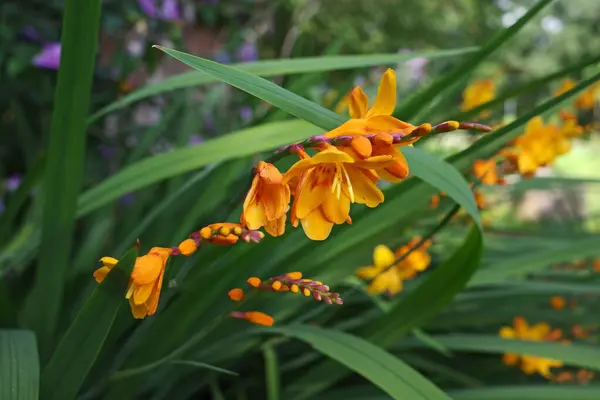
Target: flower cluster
(146, 279)
(349, 162)
(291, 282)
(586, 100)
(390, 269)
(538, 332)
(478, 93)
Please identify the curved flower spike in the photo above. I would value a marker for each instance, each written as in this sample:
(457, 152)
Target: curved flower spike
(294, 283)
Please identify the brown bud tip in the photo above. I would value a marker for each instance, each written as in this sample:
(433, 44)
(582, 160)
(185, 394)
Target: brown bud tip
(362, 146)
(447, 126)
(421, 130)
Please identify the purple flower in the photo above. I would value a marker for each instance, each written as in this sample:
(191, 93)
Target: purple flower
(49, 57)
(168, 11)
(195, 140)
(222, 57)
(247, 52)
(13, 182)
(246, 114)
(127, 199)
(31, 33)
(416, 67)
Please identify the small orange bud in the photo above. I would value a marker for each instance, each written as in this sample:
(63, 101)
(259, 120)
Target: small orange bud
(295, 275)
(362, 146)
(187, 247)
(383, 139)
(206, 233)
(253, 281)
(236, 294)
(306, 292)
(422, 130)
(294, 289)
(453, 125)
(224, 231)
(558, 303)
(237, 231)
(259, 318)
(276, 285)
(284, 288)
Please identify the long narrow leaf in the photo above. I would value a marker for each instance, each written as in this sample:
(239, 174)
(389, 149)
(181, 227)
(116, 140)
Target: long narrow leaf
(65, 158)
(19, 365)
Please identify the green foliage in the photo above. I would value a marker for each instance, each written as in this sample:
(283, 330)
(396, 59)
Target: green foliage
(437, 339)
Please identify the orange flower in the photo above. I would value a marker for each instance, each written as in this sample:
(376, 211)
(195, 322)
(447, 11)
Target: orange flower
(326, 185)
(558, 303)
(267, 201)
(236, 294)
(146, 281)
(378, 118)
(587, 99)
(565, 86)
(478, 93)
(485, 170)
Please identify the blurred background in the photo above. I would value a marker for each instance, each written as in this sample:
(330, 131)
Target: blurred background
(145, 103)
(247, 31)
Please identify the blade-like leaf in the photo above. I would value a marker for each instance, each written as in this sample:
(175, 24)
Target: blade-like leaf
(578, 355)
(19, 365)
(263, 89)
(64, 169)
(166, 165)
(383, 369)
(542, 392)
(448, 81)
(272, 68)
(71, 361)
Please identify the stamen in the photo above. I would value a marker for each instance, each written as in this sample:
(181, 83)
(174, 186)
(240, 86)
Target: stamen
(350, 190)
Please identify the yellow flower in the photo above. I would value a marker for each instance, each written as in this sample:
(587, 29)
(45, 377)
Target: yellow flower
(365, 120)
(523, 331)
(326, 185)
(478, 93)
(146, 280)
(485, 170)
(565, 86)
(267, 201)
(538, 146)
(587, 99)
(386, 275)
(570, 129)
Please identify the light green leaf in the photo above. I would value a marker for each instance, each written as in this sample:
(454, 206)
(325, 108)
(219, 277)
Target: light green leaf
(19, 365)
(541, 392)
(381, 368)
(272, 68)
(578, 355)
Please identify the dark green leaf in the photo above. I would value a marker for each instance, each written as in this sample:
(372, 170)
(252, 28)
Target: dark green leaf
(19, 365)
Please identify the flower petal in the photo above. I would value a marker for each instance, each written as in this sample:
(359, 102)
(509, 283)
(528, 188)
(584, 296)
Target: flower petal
(352, 127)
(365, 190)
(376, 162)
(388, 124)
(276, 227)
(251, 195)
(358, 103)
(139, 311)
(101, 273)
(334, 209)
(383, 257)
(385, 102)
(298, 169)
(269, 173)
(147, 269)
(316, 226)
(142, 293)
(152, 302)
(369, 272)
(309, 196)
(331, 156)
(254, 215)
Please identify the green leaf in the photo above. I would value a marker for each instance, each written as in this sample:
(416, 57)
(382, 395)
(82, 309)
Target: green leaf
(448, 81)
(156, 168)
(263, 89)
(71, 361)
(525, 88)
(272, 68)
(64, 168)
(271, 372)
(518, 265)
(381, 368)
(201, 365)
(19, 365)
(578, 355)
(541, 392)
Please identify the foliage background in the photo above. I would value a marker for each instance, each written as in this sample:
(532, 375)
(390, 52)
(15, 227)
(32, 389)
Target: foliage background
(531, 225)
